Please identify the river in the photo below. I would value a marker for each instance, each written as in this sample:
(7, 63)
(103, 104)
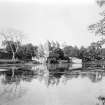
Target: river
(52, 85)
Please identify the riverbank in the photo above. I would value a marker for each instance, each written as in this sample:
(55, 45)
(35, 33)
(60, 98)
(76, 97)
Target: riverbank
(17, 62)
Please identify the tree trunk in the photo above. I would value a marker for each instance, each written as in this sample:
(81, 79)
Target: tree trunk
(13, 56)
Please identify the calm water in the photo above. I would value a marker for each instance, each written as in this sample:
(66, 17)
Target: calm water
(52, 85)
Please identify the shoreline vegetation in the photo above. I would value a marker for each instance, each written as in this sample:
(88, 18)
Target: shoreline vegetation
(51, 52)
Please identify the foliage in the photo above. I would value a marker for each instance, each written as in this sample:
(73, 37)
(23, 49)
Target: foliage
(55, 55)
(44, 50)
(41, 52)
(92, 52)
(27, 51)
(13, 45)
(24, 52)
(95, 51)
(12, 40)
(99, 27)
(71, 51)
(100, 2)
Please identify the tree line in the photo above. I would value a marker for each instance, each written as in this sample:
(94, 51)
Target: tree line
(14, 49)
(53, 50)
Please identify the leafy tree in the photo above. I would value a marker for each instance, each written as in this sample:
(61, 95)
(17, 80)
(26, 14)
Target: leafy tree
(103, 53)
(58, 53)
(99, 27)
(82, 52)
(27, 51)
(57, 44)
(70, 51)
(41, 51)
(76, 52)
(55, 55)
(12, 40)
(100, 2)
(13, 46)
(47, 48)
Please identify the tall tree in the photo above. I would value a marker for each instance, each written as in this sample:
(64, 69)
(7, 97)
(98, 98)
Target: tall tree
(71, 51)
(41, 51)
(47, 48)
(57, 44)
(12, 38)
(101, 2)
(27, 51)
(50, 46)
(99, 27)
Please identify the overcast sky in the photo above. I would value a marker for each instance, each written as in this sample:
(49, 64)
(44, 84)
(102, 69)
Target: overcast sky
(61, 20)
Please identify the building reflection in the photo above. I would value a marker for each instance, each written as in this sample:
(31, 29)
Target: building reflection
(95, 74)
(13, 78)
(51, 74)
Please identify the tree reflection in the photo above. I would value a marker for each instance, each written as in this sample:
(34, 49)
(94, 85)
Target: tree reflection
(15, 75)
(11, 82)
(101, 100)
(94, 73)
(13, 78)
(55, 73)
(93, 65)
(52, 74)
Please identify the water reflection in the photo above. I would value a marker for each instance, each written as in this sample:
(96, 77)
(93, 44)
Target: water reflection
(52, 72)
(14, 81)
(94, 74)
(101, 100)
(93, 66)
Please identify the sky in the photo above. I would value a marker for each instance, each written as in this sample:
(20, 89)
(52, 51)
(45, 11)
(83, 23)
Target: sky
(65, 21)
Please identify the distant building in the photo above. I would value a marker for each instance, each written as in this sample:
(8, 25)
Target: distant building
(75, 60)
